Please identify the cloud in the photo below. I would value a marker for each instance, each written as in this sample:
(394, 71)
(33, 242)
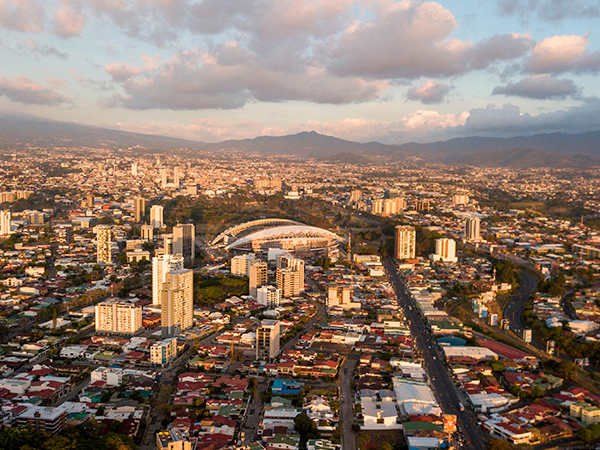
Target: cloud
(428, 92)
(68, 18)
(23, 90)
(550, 10)
(229, 78)
(565, 53)
(500, 47)
(42, 50)
(21, 15)
(538, 87)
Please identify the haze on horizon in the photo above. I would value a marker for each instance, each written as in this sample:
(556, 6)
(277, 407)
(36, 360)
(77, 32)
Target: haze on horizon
(391, 71)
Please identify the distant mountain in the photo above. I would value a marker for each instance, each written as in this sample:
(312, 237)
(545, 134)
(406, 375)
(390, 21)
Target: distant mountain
(542, 150)
(27, 131)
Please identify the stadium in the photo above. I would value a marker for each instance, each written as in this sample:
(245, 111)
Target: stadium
(263, 234)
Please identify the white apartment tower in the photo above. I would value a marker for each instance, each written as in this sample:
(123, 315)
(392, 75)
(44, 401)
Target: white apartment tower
(240, 264)
(177, 302)
(156, 216)
(445, 250)
(267, 339)
(104, 244)
(405, 242)
(161, 265)
(118, 317)
(257, 276)
(268, 296)
(296, 264)
(5, 222)
(288, 280)
(184, 241)
(472, 225)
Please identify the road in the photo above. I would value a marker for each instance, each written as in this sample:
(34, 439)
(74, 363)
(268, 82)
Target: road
(438, 374)
(514, 309)
(346, 402)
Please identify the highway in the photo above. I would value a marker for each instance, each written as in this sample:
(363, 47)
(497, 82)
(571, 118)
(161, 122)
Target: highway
(514, 309)
(438, 374)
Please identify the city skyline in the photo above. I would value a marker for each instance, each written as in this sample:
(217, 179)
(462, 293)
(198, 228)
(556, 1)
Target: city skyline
(380, 70)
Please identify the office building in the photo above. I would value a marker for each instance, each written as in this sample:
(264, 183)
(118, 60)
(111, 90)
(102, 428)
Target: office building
(268, 296)
(177, 302)
(173, 439)
(117, 316)
(240, 264)
(445, 251)
(472, 225)
(104, 244)
(184, 241)
(289, 281)
(167, 244)
(163, 352)
(267, 339)
(156, 216)
(405, 242)
(147, 232)
(139, 209)
(5, 222)
(161, 265)
(257, 276)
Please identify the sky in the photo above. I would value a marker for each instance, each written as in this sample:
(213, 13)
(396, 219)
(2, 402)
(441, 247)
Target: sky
(367, 70)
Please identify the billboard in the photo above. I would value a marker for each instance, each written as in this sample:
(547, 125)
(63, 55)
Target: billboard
(449, 423)
(527, 335)
(550, 346)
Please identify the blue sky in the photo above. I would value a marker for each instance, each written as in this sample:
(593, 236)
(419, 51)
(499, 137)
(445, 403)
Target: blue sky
(392, 71)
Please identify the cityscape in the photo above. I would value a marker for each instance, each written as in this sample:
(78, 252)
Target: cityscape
(299, 225)
(179, 302)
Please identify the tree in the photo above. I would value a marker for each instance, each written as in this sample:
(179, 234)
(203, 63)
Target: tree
(498, 444)
(306, 428)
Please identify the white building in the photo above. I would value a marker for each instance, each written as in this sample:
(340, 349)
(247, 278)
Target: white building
(268, 296)
(5, 222)
(405, 242)
(118, 316)
(163, 352)
(267, 339)
(104, 244)
(161, 265)
(177, 302)
(184, 241)
(156, 216)
(240, 264)
(472, 228)
(445, 251)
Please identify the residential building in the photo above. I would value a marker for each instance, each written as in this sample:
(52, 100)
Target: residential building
(177, 302)
(472, 225)
(268, 296)
(405, 242)
(44, 418)
(184, 241)
(161, 265)
(445, 251)
(240, 264)
(147, 232)
(296, 264)
(163, 352)
(104, 244)
(267, 339)
(118, 316)
(139, 209)
(5, 222)
(341, 296)
(257, 276)
(156, 216)
(288, 280)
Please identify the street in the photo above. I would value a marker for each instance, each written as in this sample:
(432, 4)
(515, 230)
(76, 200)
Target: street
(434, 364)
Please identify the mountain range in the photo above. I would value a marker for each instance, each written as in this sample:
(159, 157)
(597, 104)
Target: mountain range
(541, 150)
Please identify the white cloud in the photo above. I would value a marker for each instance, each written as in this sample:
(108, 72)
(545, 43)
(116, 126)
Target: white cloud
(428, 92)
(68, 18)
(21, 15)
(558, 54)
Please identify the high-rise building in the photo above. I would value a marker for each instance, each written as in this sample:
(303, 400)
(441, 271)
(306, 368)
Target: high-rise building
(257, 276)
(445, 250)
(184, 241)
(177, 302)
(405, 242)
(288, 280)
(36, 218)
(472, 225)
(89, 200)
(5, 222)
(377, 207)
(297, 265)
(342, 296)
(104, 244)
(168, 244)
(268, 296)
(460, 198)
(156, 216)
(423, 205)
(161, 265)
(163, 352)
(118, 317)
(139, 208)
(147, 232)
(240, 264)
(267, 339)
(134, 169)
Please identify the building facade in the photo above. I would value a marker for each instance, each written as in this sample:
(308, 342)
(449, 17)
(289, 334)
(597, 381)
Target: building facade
(104, 244)
(118, 317)
(405, 242)
(177, 302)
(267, 339)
